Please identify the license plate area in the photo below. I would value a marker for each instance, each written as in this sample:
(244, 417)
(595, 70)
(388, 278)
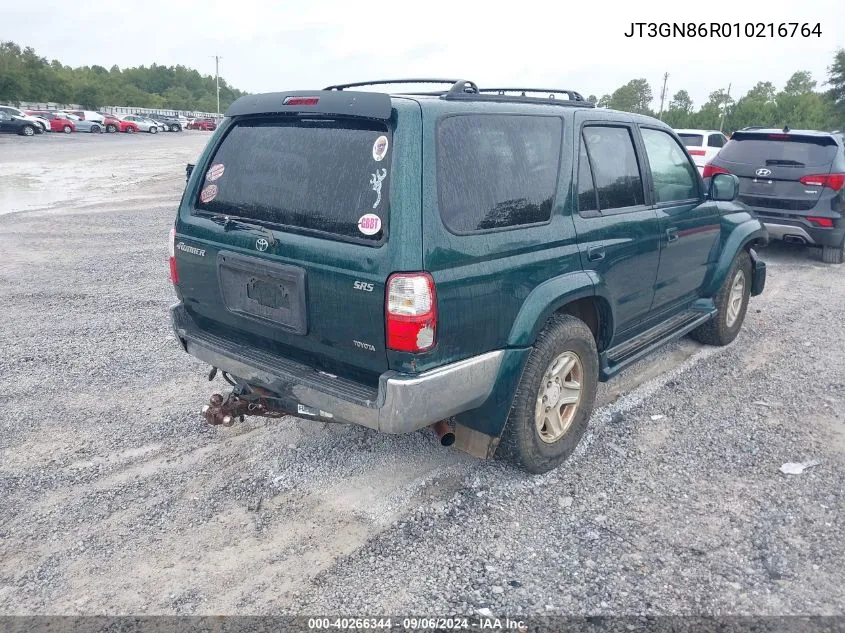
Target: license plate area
(267, 292)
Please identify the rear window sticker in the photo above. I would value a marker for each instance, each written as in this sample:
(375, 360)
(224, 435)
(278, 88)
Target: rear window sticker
(208, 194)
(215, 171)
(369, 224)
(375, 181)
(380, 148)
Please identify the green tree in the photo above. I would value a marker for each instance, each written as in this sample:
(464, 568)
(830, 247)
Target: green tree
(800, 83)
(634, 96)
(836, 81)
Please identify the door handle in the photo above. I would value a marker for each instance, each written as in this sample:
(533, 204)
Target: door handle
(595, 253)
(672, 235)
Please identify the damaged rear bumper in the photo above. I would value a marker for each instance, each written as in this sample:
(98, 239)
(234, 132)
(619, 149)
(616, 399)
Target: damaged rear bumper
(401, 403)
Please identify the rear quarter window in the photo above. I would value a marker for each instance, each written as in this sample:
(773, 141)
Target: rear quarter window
(497, 171)
(692, 140)
(313, 175)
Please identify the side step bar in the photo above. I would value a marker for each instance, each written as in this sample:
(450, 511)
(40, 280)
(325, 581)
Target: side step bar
(625, 354)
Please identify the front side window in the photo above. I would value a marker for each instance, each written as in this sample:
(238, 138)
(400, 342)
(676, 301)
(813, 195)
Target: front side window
(497, 171)
(615, 167)
(317, 175)
(674, 176)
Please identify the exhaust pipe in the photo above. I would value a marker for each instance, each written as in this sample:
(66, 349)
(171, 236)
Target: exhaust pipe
(443, 432)
(794, 239)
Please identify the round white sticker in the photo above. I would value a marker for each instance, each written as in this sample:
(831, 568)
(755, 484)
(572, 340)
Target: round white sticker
(380, 148)
(215, 171)
(369, 224)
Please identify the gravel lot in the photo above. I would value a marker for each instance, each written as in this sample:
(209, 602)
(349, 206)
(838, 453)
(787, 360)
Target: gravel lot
(118, 499)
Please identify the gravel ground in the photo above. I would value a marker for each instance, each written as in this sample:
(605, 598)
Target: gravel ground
(118, 499)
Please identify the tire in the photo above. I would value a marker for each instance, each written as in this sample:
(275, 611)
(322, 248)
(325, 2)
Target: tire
(111, 128)
(130, 130)
(531, 439)
(833, 254)
(67, 129)
(153, 130)
(28, 130)
(730, 306)
(43, 127)
(96, 129)
(175, 128)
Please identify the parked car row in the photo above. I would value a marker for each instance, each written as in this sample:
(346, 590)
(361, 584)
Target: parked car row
(793, 180)
(32, 122)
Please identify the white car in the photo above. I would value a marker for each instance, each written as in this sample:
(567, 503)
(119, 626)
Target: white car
(702, 145)
(144, 124)
(20, 114)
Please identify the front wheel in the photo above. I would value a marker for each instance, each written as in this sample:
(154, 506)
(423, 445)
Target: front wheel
(130, 130)
(153, 130)
(28, 130)
(555, 397)
(67, 129)
(95, 129)
(111, 129)
(175, 128)
(731, 305)
(833, 254)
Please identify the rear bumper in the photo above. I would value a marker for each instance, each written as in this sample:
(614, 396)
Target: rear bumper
(802, 231)
(402, 402)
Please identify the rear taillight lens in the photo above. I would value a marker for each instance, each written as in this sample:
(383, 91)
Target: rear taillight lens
(825, 223)
(411, 312)
(301, 101)
(833, 181)
(696, 152)
(174, 275)
(711, 170)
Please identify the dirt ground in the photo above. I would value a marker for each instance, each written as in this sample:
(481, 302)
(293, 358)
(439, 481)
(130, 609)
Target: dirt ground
(118, 499)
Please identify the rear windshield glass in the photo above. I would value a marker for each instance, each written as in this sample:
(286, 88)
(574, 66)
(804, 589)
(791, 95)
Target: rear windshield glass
(692, 140)
(315, 175)
(794, 151)
(497, 171)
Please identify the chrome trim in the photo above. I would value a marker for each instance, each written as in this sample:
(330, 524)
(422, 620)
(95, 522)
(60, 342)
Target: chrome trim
(405, 402)
(779, 231)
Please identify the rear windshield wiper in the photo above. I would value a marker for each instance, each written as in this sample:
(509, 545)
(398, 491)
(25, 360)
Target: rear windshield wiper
(785, 162)
(230, 223)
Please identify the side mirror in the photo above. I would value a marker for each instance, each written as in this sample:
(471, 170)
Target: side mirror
(724, 187)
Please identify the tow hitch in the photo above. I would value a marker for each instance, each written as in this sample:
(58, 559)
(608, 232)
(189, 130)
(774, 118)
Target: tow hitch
(242, 401)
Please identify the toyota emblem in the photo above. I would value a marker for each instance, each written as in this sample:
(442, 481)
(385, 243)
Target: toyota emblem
(261, 244)
(764, 172)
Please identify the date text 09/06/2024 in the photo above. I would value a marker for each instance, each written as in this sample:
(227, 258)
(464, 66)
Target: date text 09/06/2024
(724, 29)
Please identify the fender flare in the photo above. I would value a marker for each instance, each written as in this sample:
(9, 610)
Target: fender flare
(740, 237)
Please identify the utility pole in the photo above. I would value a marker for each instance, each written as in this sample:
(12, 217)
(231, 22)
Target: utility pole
(217, 82)
(663, 96)
(724, 108)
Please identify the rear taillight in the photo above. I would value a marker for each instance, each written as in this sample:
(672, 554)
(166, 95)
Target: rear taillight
(711, 170)
(825, 223)
(174, 275)
(833, 181)
(301, 101)
(411, 312)
(696, 152)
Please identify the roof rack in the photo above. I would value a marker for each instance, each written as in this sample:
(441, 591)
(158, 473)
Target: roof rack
(465, 90)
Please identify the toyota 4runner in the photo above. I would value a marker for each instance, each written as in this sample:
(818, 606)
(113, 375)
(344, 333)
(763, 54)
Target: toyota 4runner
(471, 260)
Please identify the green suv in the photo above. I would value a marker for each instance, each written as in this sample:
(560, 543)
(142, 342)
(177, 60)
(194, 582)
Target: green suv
(471, 260)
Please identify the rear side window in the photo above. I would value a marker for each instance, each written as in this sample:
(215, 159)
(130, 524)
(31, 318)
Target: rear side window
(615, 167)
(675, 178)
(497, 171)
(316, 175)
(692, 140)
(779, 149)
(715, 140)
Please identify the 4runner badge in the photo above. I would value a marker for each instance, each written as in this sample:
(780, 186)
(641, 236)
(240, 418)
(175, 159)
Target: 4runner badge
(261, 244)
(193, 250)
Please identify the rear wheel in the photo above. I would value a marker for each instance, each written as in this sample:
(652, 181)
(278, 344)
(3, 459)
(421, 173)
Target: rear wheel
(95, 129)
(555, 397)
(130, 130)
(833, 254)
(731, 305)
(111, 128)
(153, 130)
(175, 128)
(28, 130)
(67, 129)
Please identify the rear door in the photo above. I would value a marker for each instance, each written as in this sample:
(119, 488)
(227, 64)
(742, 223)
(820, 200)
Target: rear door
(321, 210)
(770, 166)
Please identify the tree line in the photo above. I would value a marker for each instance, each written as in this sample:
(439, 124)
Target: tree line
(26, 76)
(800, 104)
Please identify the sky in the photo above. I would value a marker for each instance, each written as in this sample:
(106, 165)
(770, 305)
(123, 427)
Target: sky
(267, 46)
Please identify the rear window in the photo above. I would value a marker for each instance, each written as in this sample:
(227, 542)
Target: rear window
(313, 175)
(497, 171)
(796, 151)
(692, 140)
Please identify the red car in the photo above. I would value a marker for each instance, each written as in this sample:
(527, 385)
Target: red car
(113, 124)
(58, 121)
(203, 124)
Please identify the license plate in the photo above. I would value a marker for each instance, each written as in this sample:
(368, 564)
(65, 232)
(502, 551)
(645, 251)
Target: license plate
(270, 294)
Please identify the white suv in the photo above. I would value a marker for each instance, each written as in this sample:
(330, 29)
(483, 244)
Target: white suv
(702, 145)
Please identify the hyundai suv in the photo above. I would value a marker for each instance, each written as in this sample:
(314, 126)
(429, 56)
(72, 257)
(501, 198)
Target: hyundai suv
(794, 180)
(471, 260)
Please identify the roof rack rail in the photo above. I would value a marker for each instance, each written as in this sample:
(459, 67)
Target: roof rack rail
(551, 92)
(458, 86)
